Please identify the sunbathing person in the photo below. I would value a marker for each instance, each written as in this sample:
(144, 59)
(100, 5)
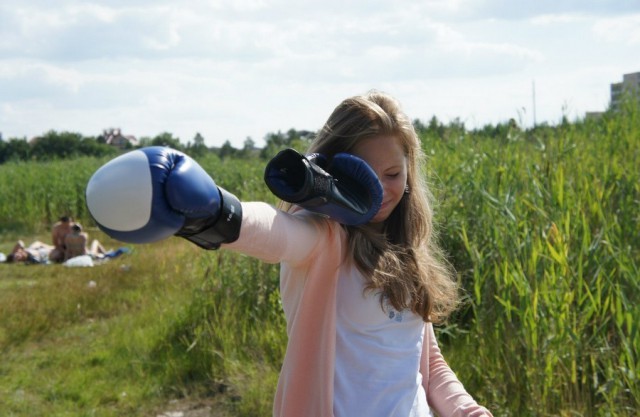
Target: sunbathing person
(35, 253)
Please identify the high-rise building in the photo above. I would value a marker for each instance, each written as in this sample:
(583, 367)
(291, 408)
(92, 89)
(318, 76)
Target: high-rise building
(630, 85)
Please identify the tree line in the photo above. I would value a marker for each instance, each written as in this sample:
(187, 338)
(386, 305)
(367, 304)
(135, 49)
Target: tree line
(55, 145)
(65, 145)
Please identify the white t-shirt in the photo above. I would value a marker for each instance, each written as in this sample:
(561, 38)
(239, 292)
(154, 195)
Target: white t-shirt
(377, 355)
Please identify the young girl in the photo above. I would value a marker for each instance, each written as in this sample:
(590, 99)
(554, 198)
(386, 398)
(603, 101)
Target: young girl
(360, 301)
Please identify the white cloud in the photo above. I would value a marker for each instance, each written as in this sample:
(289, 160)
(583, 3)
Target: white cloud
(623, 29)
(554, 19)
(508, 9)
(232, 69)
(27, 80)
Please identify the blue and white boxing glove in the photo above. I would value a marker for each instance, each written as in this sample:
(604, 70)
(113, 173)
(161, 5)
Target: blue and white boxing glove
(153, 193)
(346, 189)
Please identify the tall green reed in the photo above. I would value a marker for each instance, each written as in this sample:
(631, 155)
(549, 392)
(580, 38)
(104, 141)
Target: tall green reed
(542, 227)
(543, 231)
(36, 194)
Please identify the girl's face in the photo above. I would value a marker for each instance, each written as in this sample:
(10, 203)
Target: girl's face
(386, 157)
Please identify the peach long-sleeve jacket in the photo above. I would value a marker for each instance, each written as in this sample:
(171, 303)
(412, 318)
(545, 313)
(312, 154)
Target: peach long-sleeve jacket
(310, 250)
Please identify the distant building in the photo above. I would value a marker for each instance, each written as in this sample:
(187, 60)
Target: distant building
(114, 137)
(630, 85)
(594, 114)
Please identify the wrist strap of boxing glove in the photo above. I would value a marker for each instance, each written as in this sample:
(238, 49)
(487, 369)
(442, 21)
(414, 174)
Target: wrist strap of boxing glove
(211, 232)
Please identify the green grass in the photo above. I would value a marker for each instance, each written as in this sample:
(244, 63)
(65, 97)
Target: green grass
(541, 226)
(166, 321)
(72, 348)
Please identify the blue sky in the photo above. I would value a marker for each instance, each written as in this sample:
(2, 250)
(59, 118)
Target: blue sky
(232, 69)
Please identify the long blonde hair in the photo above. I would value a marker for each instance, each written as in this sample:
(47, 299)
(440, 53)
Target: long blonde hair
(404, 262)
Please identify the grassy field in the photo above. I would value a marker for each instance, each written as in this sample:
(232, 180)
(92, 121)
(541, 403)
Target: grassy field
(542, 227)
(76, 341)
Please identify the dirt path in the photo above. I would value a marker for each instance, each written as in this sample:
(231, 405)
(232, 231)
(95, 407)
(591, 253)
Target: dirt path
(209, 407)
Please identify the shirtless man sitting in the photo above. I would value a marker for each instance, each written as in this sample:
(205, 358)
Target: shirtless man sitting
(58, 232)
